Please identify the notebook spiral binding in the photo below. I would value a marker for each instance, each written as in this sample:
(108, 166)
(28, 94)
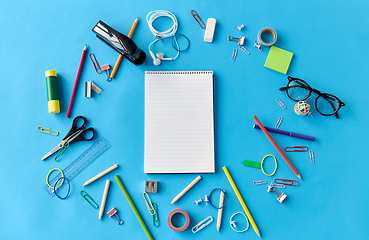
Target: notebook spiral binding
(180, 72)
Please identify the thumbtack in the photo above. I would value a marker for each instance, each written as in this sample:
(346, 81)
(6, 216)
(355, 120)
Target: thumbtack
(114, 213)
(258, 46)
(234, 224)
(240, 27)
(197, 202)
(206, 200)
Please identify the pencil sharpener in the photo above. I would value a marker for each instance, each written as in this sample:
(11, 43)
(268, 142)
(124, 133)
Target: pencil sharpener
(282, 197)
(151, 186)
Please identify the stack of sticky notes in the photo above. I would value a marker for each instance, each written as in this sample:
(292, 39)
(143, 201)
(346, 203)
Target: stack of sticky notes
(278, 60)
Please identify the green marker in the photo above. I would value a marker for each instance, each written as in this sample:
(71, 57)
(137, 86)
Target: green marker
(251, 164)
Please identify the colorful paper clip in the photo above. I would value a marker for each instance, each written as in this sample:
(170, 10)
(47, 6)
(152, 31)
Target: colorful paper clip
(48, 130)
(280, 119)
(258, 46)
(155, 217)
(240, 40)
(114, 213)
(149, 205)
(201, 225)
(286, 182)
(296, 149)
(197, 18)
(311, 154)
(106, 68)
(277, 185)
(234, 54)
(95, 63)
(240, 27)
(259, 182)
(85, 195)
(61, 151)
(281, 196)
(197, 202)
(245, 50)
(280, 103)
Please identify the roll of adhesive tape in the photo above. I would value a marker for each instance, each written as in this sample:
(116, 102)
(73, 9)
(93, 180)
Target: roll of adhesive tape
(270, 30)
(178, 229)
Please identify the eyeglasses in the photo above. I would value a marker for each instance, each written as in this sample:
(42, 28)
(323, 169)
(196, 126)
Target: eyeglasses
(326, 104)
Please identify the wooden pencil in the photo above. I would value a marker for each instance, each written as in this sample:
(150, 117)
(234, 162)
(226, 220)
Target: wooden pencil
(186, 189)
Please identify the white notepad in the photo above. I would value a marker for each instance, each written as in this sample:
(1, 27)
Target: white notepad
(179, 122)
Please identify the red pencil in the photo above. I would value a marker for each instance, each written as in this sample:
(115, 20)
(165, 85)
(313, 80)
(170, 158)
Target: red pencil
(277, 147)
(76, 82)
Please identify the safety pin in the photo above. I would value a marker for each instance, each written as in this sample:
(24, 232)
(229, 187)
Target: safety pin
(280, 103)
(149, 205)
(277, 185)
(197, 18)
(202, 224)
(296, 149)
(94, 61)
(234, 55)
(259, 182)
(240, 40)
(155, 217)
(114, 213)
(106, 68)
(258, 46)
(280, 119)
(286, 182)
(61, 151)
(245, 50)
(311, 154)
(48, 130)
(85, 195)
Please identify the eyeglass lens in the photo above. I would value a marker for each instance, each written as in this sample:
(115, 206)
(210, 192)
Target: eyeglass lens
(297, 90)
(327, 104)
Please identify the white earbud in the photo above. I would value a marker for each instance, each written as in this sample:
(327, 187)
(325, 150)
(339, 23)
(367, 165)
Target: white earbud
(157, 61)
(161, 56)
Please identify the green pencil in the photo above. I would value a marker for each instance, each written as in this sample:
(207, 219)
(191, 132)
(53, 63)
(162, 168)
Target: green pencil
(133, 207)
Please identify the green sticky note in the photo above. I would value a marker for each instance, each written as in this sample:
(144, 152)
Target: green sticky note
(251, 164)
(278, 60)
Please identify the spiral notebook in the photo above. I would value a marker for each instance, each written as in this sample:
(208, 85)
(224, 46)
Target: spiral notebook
(179, 122)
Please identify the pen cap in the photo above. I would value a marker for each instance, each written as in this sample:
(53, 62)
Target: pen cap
(52, 91)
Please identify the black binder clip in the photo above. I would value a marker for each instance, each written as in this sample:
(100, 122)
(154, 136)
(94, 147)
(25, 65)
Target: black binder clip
(119, 42)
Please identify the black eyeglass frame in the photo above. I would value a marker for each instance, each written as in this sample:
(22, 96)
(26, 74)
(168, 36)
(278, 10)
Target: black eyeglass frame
(326, 96)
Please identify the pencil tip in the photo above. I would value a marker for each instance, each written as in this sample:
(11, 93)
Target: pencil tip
(299, 176)
(258, 233)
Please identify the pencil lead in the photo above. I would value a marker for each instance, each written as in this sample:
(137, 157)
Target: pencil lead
(299, 176)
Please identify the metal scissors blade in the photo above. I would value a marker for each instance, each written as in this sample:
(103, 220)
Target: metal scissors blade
(54, 150)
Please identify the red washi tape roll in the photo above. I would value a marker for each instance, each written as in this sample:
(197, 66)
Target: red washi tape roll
(178, 229)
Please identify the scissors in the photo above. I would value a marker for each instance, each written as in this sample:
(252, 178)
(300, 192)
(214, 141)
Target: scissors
(75, 134)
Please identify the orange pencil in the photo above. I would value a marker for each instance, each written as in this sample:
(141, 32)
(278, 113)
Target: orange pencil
(277, 147)
(121, 56)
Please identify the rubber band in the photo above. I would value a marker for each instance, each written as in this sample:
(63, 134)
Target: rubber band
(47, 177)
(232, 222)
(56, 194)
(225, 199)
(275, 169)
(179, 49)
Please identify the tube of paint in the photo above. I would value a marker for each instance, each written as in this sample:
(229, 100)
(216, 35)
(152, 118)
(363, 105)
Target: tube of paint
(52, 91)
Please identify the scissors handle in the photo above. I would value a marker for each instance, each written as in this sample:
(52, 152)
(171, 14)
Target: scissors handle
(80, 136)
(74, 127)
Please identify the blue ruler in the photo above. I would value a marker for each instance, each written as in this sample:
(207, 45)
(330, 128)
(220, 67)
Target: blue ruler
(78, 165)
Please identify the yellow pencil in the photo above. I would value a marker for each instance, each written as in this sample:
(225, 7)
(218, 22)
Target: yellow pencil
(243, 204)
(121, 56)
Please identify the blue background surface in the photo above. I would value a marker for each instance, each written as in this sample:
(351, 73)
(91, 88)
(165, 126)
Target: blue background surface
(328, 41)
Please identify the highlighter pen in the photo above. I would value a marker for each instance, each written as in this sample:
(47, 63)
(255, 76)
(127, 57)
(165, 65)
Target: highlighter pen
(291, 134)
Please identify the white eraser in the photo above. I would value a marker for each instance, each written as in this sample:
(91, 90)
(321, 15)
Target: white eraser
(209, 31)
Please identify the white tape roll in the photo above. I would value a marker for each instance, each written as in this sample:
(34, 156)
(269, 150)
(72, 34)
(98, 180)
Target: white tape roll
(267, 29)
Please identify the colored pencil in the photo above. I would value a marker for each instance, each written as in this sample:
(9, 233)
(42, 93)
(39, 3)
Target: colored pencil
(76, 81)
(186, 189)
(240, 199)
(220, 211)
(103, 201)
(277, 147)
(121, 56)
(100, 175)
(131, 203)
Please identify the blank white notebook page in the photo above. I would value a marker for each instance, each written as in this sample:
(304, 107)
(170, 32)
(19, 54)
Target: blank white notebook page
(179, 122)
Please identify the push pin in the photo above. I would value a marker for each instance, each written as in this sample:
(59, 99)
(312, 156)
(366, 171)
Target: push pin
(258, 46)
(281, 196)
(206, 200)
(114, 213)
(234, 224)
(197, 202)
(240, 40)
(106, 68)
(240, 27)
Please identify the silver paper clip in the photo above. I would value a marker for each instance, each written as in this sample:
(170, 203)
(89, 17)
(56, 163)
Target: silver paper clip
(234, 55)
(311, 154)
(245, 50)
(202, 224)
(280, 103)
(277, 185)
(259, 182)
(280, 119)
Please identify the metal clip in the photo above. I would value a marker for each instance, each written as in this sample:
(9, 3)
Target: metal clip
(61, 151)
(106, 68)
(259, 182)
(114, 213)
(277, 185)
(149, 205)
(286, 182)
(155, 217)
(202, 224)
(258, 46)
(85, 195)
(234, 55)
(95, 63)
(296, 149)
(245, 50)
(311, 154)
(281, 196)
(281, 103)
(197, 18)
(280, 119)
(48, 130)
(240, 40)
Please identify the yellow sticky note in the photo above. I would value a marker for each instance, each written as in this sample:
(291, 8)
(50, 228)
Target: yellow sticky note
(278, 60)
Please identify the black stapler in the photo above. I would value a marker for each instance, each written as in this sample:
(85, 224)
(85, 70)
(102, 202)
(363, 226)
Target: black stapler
(120, 42)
